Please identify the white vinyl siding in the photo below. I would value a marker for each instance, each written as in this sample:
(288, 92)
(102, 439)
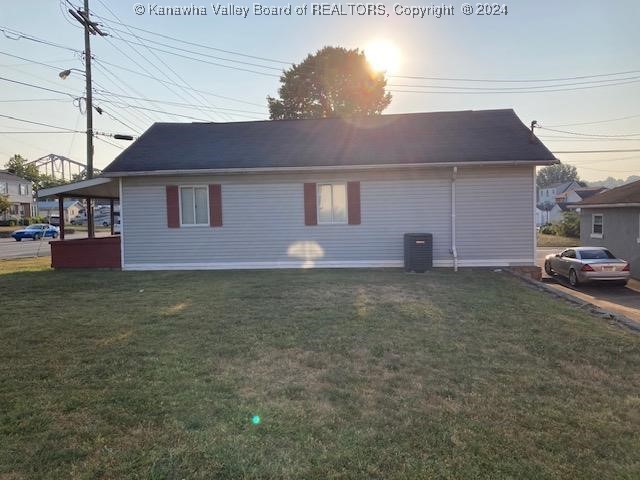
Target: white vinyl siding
(332, 203)
(597, 225)
(194, 206)
(264, 220)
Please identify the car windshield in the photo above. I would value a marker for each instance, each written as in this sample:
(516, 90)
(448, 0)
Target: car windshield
(596, 254)
(37, 226)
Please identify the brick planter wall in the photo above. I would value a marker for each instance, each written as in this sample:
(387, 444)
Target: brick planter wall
(532, 271)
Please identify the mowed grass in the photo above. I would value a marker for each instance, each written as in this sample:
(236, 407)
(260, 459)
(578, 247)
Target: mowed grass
(353, 373)
(557, 241)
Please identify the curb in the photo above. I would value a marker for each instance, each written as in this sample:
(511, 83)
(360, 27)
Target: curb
(620, 319)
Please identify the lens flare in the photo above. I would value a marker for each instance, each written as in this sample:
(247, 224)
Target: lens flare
(256, 419)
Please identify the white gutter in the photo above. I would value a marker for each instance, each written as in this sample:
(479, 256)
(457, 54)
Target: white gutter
(454, 251)
(223, 171)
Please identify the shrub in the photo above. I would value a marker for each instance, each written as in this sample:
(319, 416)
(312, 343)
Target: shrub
(548, 229)
(570, 225)
(32, 220)
(8, 223)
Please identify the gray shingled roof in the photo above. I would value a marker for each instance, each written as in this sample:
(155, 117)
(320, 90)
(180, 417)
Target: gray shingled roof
(624, 194)
(442, 137)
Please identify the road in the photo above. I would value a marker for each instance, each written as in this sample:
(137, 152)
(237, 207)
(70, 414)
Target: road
(9, 248)
(622, 300)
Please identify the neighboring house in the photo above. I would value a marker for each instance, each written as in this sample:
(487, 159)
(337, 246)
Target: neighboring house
(323, 193)
(549, 210)
(549, 194)
(20, 193)
(564, 201)
(72, 208)
(612, 219)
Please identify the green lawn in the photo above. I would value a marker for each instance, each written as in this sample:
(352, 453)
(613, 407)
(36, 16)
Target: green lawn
(353, 373)
(557, 241)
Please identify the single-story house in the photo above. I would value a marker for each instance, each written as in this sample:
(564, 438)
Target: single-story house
(19, 192)
(72, 209)
(612, 219)
(329, 192)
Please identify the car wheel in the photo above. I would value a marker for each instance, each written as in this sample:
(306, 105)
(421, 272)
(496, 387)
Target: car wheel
(105, 224)
(18, 239)
(36, 236)
(54, 235)
(573, 278)
(548, 269)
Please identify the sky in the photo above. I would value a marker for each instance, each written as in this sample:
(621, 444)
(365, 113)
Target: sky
(535, 40)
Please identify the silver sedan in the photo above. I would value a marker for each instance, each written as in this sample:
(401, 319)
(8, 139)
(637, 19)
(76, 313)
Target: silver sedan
(588, 264)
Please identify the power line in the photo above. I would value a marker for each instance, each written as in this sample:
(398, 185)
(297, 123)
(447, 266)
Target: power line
(539, 80)
(580, 134)
(594, 122)
(208, 47)
(204, 92)
(39, 87)
(179, 104)
(528, 87)
(48, 125)
(519, 91)
(176, 74)
(598, 151)
(155, 42)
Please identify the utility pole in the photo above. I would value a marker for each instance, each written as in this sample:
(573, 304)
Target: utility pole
(90, 28)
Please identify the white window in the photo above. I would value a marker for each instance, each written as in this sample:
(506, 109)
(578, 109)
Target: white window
(597, 225)
(194, 205)
(22, 189)
(332, 203)
(4, 188)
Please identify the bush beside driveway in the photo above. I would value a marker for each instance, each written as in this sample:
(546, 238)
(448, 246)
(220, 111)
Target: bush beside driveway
(352, 373)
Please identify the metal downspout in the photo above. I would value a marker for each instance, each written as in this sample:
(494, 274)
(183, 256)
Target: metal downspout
(454, 251)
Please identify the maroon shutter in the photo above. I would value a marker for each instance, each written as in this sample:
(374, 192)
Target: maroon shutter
(353, 202)
(310, 206)
(215, 205)
(173, 206)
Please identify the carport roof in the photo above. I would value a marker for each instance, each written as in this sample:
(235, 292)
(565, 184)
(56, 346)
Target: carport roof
(99, 187)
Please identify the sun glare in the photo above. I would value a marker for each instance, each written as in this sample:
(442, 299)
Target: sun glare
(383, 56)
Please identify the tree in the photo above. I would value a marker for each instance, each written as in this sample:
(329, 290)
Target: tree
(570, 225)
(17, 165)
(5, 204)
(333, 82)
(558, 173)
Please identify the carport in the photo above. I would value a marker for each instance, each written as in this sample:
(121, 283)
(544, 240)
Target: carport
(90, 252)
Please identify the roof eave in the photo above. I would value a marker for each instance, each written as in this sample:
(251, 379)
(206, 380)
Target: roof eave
(607, 205)
(231, 171)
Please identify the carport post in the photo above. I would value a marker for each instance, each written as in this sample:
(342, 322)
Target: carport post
(112, 215)
(90, 226)
(61, 215)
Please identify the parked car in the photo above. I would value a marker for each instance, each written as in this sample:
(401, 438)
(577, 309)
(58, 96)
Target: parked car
(78, 220)
(54, 220)
(36, 232)
(588, 264)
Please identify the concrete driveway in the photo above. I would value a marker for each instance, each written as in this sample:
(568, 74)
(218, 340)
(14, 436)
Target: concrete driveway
(9, 248)
(622, 300)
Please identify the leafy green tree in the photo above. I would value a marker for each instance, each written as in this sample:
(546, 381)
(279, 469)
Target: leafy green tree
(18, 166)
(558, 173)
(333, 82)
(570, 225)
(5, 204)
